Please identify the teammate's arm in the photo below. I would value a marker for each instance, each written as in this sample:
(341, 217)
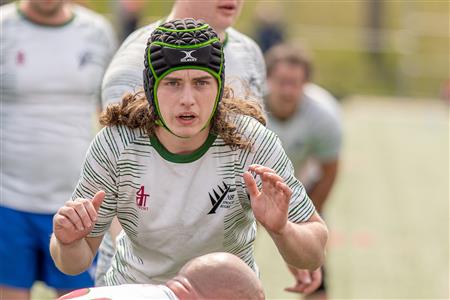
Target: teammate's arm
(319, 192)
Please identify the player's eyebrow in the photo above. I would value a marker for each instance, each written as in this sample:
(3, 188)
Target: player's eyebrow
(206, 77)
(168, 78)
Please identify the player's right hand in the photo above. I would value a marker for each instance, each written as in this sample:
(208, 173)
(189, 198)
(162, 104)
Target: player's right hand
(76, 218)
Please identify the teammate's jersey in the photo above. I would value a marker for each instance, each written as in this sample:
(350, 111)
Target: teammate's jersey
(244, 66)
(177, 207)
(50, 87)
(315, 130)
(123, 292)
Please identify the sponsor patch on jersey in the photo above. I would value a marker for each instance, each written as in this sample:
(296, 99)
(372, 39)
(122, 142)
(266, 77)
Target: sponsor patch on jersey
(141, 198)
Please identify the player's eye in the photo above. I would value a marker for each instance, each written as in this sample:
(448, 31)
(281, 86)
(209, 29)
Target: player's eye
(202, 82)
(173, 83)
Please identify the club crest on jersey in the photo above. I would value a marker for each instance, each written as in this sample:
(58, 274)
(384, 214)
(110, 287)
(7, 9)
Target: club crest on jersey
(20, 58)
(85, 59)
(221, 198)
(141, 198)
(188, 56)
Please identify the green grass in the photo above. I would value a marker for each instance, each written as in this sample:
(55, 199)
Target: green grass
(389, 212)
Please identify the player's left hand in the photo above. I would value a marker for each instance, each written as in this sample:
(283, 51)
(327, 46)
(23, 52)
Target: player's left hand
(270, 204)
(306, 282)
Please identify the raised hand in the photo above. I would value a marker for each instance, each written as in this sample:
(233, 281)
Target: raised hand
(306, 282)
(76, 218)
(270, 204)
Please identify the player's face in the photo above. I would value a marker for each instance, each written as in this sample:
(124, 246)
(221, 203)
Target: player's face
(46, 8)
(286, 83)
(220, 14)
(186, 100)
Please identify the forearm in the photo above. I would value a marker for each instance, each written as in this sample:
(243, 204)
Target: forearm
(73, 258)
(302, 245)
(320, 191)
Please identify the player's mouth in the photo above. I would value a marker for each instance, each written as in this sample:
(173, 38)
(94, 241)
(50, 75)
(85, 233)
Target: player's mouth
(228, 9)
(186, 118)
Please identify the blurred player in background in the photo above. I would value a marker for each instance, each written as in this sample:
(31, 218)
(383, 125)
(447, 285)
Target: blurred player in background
(307, 120)
(53, 57)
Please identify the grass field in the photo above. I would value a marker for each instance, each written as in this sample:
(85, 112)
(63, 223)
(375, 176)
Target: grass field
(389, 212)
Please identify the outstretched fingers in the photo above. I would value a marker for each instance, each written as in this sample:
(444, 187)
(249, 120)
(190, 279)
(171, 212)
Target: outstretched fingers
(282, 187)
(250, 182)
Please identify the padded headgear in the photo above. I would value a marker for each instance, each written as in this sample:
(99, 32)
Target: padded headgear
(182, 44)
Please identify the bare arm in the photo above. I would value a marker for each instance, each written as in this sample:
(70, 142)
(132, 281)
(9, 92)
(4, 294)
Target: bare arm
(70, 249)
(322, 188)
(76, 257)
(301, 245)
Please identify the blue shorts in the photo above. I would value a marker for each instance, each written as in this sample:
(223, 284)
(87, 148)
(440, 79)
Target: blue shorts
(25, 255)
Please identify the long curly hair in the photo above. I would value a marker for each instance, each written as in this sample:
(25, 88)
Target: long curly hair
(135, 112)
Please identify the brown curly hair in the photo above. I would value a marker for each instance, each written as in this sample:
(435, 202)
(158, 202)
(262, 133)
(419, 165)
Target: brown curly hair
(135, 112)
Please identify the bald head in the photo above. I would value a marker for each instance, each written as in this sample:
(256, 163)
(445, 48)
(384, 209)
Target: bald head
(217, 276)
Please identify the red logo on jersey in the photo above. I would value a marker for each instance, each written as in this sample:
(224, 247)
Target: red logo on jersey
(20, 58)
(141, 198)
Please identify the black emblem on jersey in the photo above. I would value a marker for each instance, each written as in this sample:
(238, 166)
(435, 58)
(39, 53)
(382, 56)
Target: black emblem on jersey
(85, 59)
(218, 197)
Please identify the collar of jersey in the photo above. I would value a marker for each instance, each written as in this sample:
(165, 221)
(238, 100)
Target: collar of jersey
(23, 15)
(182, 158)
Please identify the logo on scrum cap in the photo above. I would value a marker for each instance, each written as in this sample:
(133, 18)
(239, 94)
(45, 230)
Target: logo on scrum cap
(188, 56)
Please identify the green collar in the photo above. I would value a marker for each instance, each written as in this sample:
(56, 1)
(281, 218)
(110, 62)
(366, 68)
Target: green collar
(182, 158)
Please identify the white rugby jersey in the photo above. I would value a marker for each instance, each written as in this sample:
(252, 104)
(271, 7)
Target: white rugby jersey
(50, 86)
(177, 207)
(245, 69)
(123, 292)
(314, 131)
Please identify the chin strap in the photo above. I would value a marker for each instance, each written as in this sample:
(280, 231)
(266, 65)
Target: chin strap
(161, 124)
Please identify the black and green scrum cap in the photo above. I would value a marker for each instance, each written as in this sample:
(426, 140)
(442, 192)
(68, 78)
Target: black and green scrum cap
(182, 44)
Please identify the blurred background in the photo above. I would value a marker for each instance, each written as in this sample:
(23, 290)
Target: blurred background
(382, 47)
(388, 64)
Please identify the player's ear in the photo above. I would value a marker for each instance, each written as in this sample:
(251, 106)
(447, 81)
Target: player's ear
(182, 288)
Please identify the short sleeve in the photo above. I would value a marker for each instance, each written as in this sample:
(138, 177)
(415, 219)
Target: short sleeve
(269, 152)
(259, 88)
(328, 140)
(99, 172)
